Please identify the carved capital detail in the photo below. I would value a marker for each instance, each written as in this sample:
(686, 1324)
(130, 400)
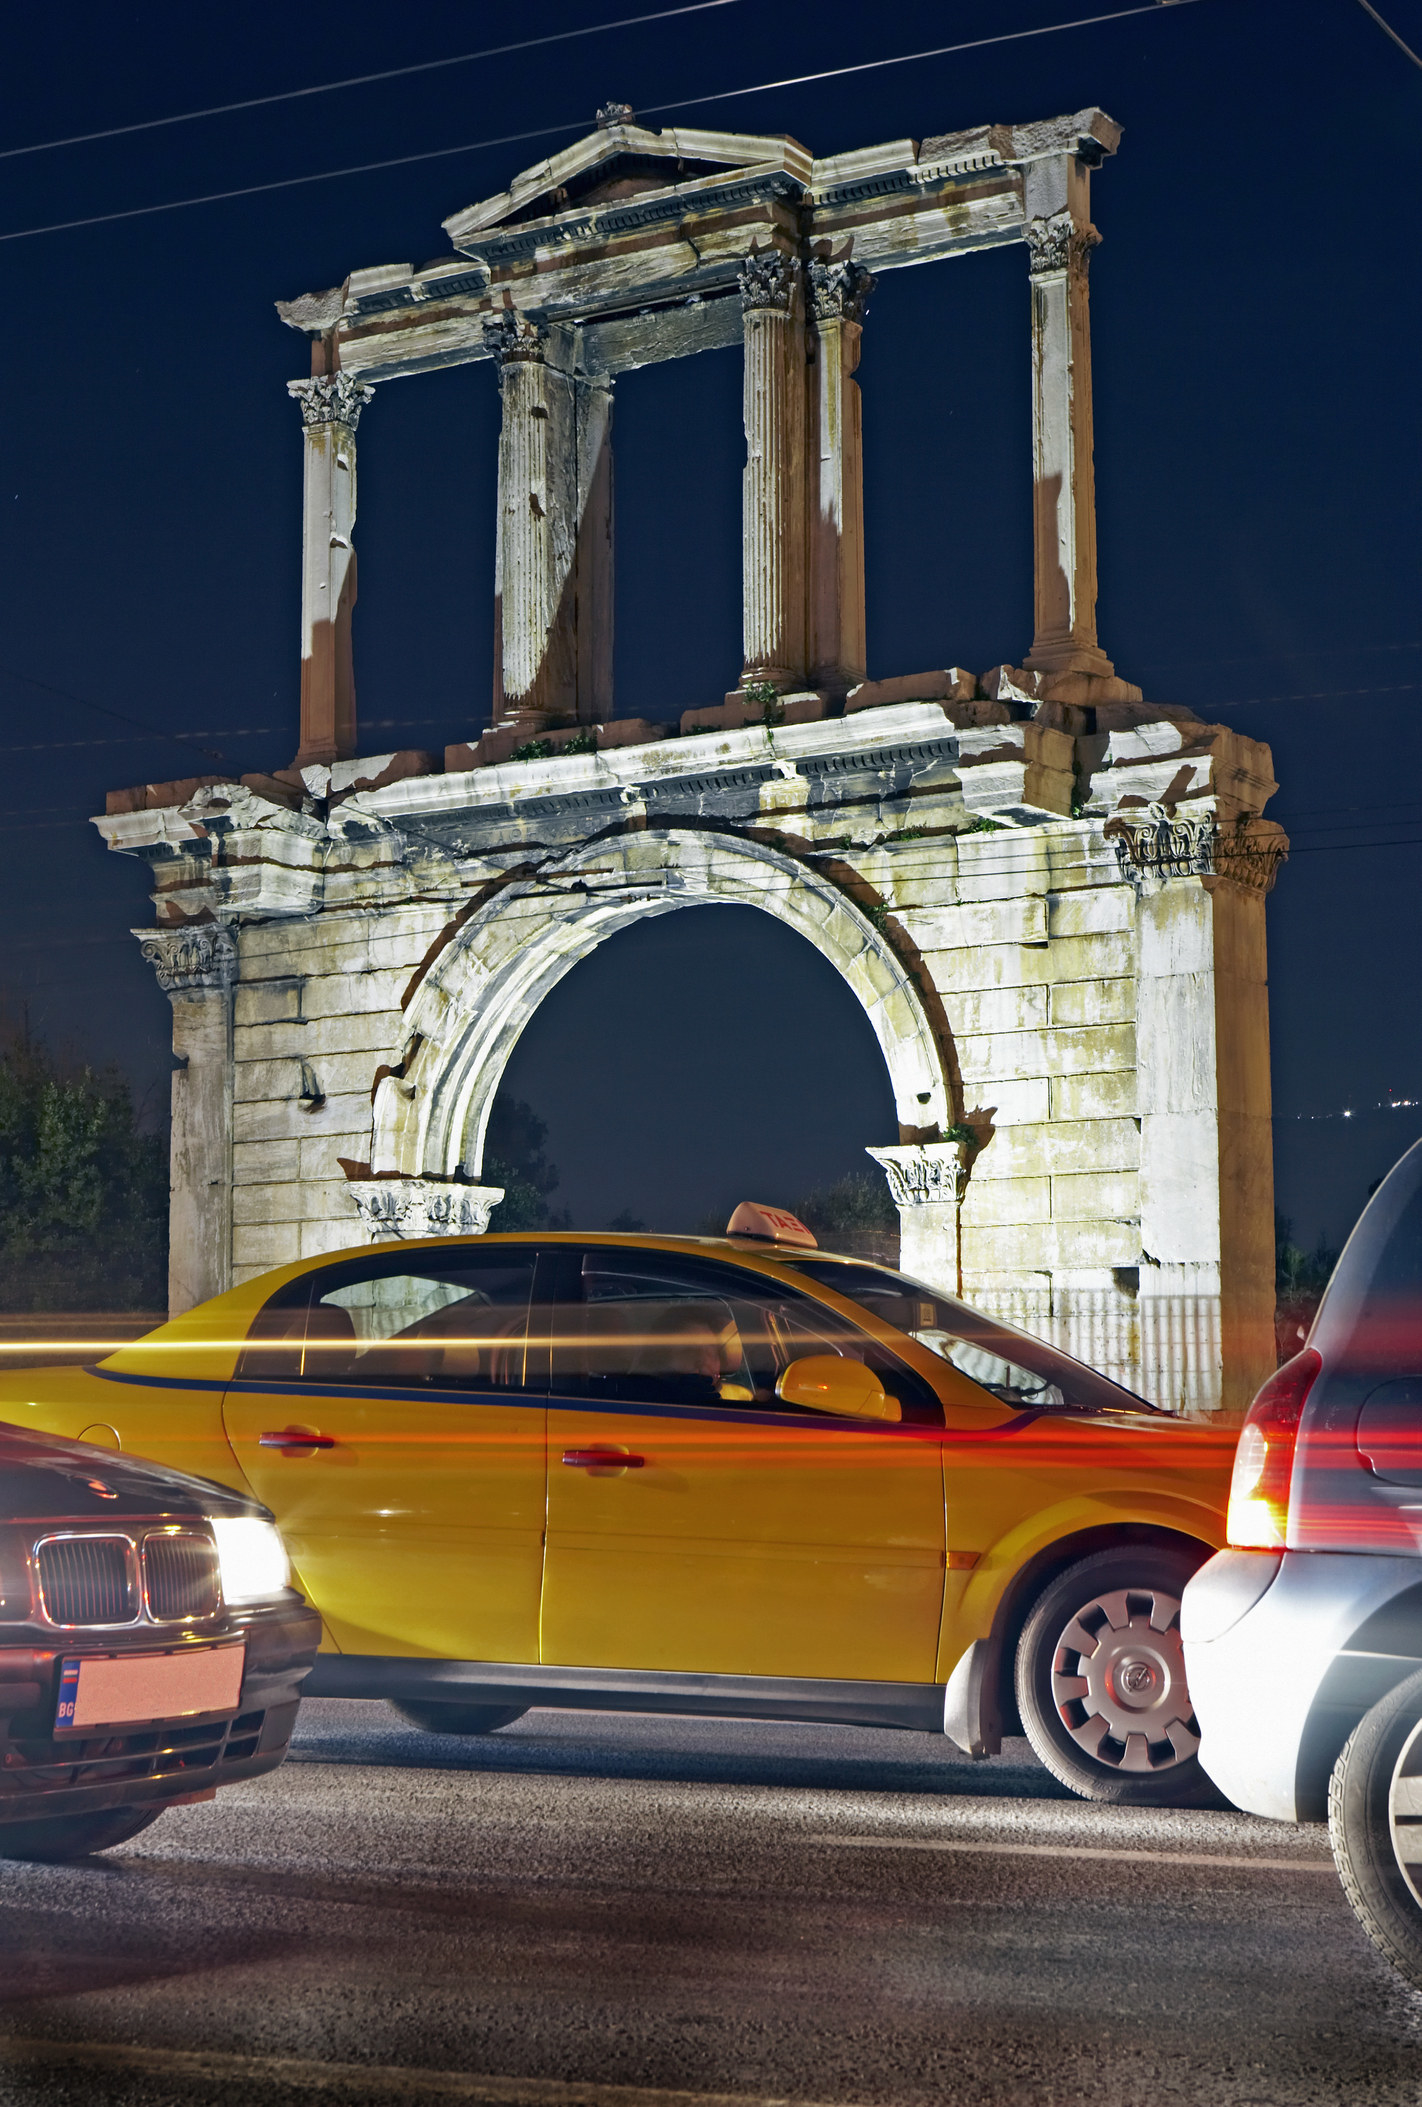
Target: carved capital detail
(331, 398)
(201, 955)
(930, 1174)
(839, 292)
(1058, 244)
(394, 1208)
(1157, 844)
(1251, 852)
(513, 340)
(767, 282)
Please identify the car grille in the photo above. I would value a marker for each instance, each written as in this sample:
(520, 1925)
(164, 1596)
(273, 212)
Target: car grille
(42, 1767)
(87, 1580)
(180, 1576)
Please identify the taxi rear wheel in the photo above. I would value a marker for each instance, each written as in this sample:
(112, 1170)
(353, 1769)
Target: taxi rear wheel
(1101, 1683)
(74, 1835)
(440, 1718)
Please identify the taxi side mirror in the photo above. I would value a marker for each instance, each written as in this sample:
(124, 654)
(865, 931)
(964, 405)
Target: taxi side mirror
(831, 1382)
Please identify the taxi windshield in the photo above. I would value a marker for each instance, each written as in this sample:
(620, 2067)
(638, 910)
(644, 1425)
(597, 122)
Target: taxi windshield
(1010, 1364)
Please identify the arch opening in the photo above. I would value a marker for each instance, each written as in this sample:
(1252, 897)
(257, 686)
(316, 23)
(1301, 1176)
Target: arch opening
(472, 1007)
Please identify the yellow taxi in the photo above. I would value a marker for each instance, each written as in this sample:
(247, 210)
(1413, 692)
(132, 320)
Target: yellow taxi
(735, 1475)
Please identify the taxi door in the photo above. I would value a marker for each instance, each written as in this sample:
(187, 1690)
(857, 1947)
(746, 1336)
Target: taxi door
(694, 1523)
(383, 1411)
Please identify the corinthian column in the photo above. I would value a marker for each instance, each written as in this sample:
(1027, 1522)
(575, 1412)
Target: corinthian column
(837, 295)
(553, 607)
(773, 492)
(330, 411)
(1060, 238)
(196, 967)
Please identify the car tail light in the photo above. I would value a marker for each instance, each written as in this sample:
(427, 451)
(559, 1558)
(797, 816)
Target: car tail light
(1264, 1459)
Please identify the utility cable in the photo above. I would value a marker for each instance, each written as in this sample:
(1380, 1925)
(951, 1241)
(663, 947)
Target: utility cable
(661, 109)
(101, 709)
(362, 80)
(1388, 31)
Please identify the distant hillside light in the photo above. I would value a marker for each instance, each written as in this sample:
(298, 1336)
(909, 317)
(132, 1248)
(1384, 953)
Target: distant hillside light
(1047, 894)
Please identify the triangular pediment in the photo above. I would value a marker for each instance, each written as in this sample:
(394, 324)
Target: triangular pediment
(623, 159)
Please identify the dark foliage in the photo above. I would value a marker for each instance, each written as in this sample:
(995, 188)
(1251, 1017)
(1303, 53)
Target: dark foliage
(83, 1192)
(1300, 1278)
(855, 1215)
(514, 1158)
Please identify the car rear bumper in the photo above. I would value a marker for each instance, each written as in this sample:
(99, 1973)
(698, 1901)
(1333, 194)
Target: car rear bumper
(1285, 1653)
(42, 1775)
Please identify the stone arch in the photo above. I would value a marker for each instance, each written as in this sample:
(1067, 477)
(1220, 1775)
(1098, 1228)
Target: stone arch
(469, 1009)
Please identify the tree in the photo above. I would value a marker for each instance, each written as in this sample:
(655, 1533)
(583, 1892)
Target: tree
(514, 1158)
(1300, 1278)
(83, 1191)
(855, 1215)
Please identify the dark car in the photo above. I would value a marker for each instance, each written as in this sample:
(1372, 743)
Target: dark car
(1303, 1640)
(151, 1647)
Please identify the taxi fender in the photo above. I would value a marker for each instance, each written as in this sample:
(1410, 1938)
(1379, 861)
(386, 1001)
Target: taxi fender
(1009, 1575)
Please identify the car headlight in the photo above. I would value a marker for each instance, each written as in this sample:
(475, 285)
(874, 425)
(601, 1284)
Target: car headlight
(252, 1557)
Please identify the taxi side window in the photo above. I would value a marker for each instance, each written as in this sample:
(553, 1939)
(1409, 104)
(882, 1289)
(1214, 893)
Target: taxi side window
(639, 1327)
(401, 1322)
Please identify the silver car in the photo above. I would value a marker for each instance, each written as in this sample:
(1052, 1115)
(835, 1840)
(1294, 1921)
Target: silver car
(1303, 1640)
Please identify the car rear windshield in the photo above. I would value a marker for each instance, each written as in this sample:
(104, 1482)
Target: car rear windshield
(1011, 1364)
(1370, 1318)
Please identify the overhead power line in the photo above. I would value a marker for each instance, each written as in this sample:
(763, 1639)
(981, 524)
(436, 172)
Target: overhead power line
(661, 109)
(360, 80)
(1388, 31)
(150, 731)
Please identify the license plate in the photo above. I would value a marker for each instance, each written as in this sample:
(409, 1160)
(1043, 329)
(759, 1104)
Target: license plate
(139, 1689)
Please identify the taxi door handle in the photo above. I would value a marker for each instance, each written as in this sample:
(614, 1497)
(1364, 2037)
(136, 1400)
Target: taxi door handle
(294, 1441)
(602, 1460)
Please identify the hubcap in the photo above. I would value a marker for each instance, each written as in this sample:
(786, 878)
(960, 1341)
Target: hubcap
(1405, 1812)
(1118, 1683)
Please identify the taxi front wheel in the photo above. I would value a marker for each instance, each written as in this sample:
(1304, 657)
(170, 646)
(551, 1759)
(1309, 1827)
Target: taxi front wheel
(440, 1718)
(1101, 1681)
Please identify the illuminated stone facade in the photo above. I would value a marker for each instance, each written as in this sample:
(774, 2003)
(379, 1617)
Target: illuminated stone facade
(1047, 894)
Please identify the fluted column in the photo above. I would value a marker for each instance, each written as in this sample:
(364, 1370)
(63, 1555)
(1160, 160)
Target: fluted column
(1060, 238)
(837, 295)
(196, 966)
(553, 610)
(330, 411)
(776, 624)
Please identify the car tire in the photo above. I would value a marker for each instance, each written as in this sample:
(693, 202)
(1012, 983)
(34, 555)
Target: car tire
(440, 1718)
(73, 1835)
(1101, 1685)
(1374, 1808)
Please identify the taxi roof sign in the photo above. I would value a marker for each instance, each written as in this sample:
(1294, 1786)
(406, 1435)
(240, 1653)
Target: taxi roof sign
(775, 1225)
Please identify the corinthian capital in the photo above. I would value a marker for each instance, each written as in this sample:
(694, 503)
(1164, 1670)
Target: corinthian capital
(416, 1207)
(330, 398)
(839, 292)
(767, 281)
(201, 955)
(1058, 244)
(512, 339)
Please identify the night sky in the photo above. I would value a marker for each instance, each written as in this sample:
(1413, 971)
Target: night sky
(1256, 332)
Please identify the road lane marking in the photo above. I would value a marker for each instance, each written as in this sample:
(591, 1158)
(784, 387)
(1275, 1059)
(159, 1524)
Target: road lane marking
(1159, 1858)
(356, 2081)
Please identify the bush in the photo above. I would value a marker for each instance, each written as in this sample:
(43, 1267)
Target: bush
(83, 1192)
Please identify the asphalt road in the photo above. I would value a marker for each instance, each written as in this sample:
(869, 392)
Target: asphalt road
(587, 1911)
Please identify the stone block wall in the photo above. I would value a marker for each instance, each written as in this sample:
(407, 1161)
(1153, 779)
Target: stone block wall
(1065, 973)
